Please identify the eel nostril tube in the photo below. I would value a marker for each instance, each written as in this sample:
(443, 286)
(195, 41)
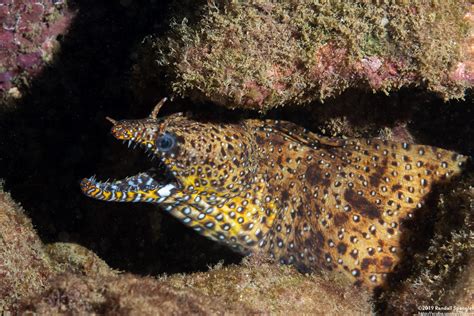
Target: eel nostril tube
(111, 120)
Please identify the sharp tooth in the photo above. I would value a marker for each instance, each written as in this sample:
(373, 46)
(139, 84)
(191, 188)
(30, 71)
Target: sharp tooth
(160, 200)
(129, 143)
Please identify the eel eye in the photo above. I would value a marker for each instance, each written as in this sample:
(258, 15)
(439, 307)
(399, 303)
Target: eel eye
(165, 142)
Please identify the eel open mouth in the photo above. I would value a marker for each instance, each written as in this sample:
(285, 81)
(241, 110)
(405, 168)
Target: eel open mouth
(142, 187)
(152, 186)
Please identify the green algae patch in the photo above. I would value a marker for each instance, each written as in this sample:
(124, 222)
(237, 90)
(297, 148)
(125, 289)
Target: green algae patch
(265, 54)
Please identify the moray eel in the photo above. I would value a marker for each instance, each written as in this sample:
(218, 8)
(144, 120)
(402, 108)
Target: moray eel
(275, 188)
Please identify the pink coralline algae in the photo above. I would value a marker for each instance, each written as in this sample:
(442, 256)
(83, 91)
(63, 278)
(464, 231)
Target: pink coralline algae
(28, 38)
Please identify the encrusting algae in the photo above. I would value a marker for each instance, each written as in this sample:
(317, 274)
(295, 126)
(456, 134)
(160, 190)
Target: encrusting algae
(272, 187)
(264, 54)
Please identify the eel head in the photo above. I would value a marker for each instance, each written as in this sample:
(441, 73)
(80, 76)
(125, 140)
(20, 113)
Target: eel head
(203, 169)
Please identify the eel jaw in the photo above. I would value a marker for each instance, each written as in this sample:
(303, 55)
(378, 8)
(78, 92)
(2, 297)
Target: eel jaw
(142, 187)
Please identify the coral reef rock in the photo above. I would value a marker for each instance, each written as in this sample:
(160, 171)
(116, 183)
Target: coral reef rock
(232, 289)
(24, 267)
(28, 41)
(264, 54)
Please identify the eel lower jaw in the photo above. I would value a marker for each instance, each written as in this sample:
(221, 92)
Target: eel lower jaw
(143, 187)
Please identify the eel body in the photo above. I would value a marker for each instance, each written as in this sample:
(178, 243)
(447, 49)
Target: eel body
(273, 187)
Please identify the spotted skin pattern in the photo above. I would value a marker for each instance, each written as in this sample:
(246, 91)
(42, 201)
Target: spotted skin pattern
(273, 187)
